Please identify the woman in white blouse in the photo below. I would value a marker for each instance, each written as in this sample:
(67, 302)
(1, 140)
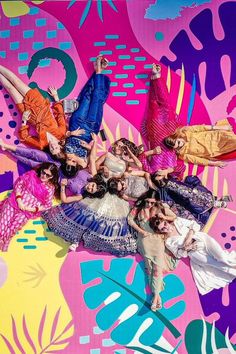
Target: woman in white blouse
(212, 267)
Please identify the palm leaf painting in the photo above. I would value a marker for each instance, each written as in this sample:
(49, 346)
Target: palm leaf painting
(57, 342)
(126, 306)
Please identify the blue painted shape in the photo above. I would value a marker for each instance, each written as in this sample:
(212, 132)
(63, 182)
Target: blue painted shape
(28, 34)
(132, 102)
(129, 67)
(85, 13)
(97, 330)
(38, 45)
(121, 76)
(171, 9)
(99, 7)
(60, 25)
(108, 342)
(30, 247)
(14, 45)
(192, 99)
(140, 58)
(141, 76)
(112, 36)
(39, 222)
(120, 351)
(84, 339)
(92, 59)
(112, 63)
(128, 84)
(23, 69)
(5, 34)
(64, 45)
(40, 22)
(107, 71)
(114, 280)
(14, 21)
(43, 238)
(99, 44)
(114, 84)
(141, 91)
(51, 34)
(119, 94)
(33, 11)
(3, 54)
(135, 50)
(120, 46)
(30, 232)
(106, 52)
(23, 56)
(22, 240)
(123, 57)
(159, 36)
(147, 83)
(44, 63)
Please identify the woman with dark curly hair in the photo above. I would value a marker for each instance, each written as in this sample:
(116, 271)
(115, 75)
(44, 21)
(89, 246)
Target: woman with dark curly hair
(32, 193)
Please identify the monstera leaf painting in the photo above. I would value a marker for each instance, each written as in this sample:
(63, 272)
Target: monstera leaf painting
(202, 338)
(126, 305)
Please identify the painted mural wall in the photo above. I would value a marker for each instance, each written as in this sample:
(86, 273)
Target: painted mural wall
(53, 301)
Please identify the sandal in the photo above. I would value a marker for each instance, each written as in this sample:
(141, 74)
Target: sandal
(157, 306)
(220, 204)
(73, 247)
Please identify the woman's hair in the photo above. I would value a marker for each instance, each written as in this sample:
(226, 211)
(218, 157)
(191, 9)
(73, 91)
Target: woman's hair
(170, 140)
(150, 194)
(68, 170)
(133, 147)
(56, 157)
(101, 187)
(154, 222)
(158, 183)
(112, 186)
(55, 175)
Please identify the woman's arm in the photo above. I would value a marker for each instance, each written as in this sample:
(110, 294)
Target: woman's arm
(100, 160)
(134, 159)
(64, 198)
(93, 156)
(128, 199)
(131, 221)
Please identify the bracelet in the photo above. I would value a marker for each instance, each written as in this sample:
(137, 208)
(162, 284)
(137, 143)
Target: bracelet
(18, 197)
(36, 209)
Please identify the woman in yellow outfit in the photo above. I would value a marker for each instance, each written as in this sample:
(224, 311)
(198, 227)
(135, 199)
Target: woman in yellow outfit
(203, 144)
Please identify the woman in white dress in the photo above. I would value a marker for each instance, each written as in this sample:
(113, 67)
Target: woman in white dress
(212, 267)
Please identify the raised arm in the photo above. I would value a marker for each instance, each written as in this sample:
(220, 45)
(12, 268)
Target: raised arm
(64, 198)
(131, 221)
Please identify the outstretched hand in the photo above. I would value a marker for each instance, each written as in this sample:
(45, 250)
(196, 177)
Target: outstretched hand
(64, 182)
(78, 132)
(52, 91)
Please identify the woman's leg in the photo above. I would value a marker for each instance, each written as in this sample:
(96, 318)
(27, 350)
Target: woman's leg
(216, 251)
(16, 95)
(157, 286)
(20, 86)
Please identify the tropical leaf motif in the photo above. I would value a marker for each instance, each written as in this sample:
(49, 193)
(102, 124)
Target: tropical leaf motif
(36, 275)
(57, 342)
(202, 337)
(127, 305)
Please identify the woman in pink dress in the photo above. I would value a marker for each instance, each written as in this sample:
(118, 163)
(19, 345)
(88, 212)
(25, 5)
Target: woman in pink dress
(32, 193)
(161, 121)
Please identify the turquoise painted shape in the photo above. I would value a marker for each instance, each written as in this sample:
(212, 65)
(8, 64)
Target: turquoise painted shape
(108, 342)
(129, 67)
(159, 36)
(65, 45)
(60, 25)
(30, 247)
(51, 34)
(28, 34)
(106, 52)
(30, 232)
(5, 34)
(22, 69)
(92, 59)
(14, 21)
(141, 76)
(23, 56)
(119, 94)
(124, 57)
(44, 63)
(141, 91)
(128, 84)
(147, 66)
(135, 50)
(38, 45)
(39, 222)
(22, 240)
(140, 58)
(112, 36)
(114, 84)
(112, 63)
(34, 11)
(3, 54)
(121, 46)
(121, 76)
(84, 339)
(107, 72)
(97, 330)
(14, 45)
(114, 280)
(43, 238)
(99, 44)
(192, 99)
(40, 22)
(131, 102)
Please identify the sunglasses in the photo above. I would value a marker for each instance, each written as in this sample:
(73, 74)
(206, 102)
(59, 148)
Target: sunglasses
(46, 174)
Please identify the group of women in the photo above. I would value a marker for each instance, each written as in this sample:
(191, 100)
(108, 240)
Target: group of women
(128, 200)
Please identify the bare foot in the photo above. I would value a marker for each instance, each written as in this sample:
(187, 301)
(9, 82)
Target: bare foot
(73, 247)
(156, 69)
(2, 145)
(157, 150)
(156, 303)
(98, 64)
(104, 63)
